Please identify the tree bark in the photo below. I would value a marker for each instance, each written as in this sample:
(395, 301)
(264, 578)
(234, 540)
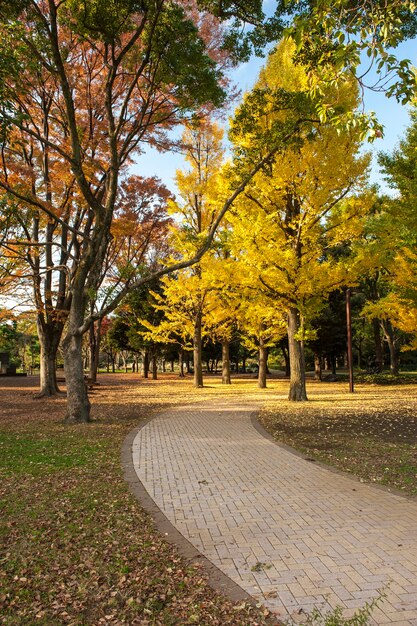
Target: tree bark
(181, 362)
(226, 362)
(154, 368)
(49, 339)
(78, 404)
(297, 391)
(392, 345)
(263, 358)
(145, 364)
(94, 343)
(379, 352)
(197, 345)
(317, 366)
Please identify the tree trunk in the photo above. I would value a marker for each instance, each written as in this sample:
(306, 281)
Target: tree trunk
(392, 345)
(284, 347)
(317, 366)
(297, 391)
(49, 339)
(145, 364)
(197, 344)
(172, 365)
(78, 404)
(263, 358)
(266, 361)
(379, 352)
(94, 342)
(226, 362)
(181, 362)
(154, 367)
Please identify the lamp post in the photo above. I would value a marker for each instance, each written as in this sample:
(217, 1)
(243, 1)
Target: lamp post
(349, 339)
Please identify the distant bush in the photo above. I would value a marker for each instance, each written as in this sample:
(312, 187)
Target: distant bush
(386, 379)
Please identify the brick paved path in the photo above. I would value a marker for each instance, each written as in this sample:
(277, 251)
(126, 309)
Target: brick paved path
(292, 534)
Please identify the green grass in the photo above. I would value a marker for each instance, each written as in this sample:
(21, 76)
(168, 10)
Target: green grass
(76, 548)
(37, 454)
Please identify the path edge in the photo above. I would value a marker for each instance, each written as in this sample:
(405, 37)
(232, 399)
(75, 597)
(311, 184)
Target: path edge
(330, 468)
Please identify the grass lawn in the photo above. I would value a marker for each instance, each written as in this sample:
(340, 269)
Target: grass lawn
(77, 548)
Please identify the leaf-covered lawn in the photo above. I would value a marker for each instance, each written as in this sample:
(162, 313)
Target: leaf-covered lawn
(371, 433)
(76, 547)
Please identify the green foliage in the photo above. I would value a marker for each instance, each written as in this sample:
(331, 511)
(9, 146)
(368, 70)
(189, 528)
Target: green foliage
(330, 37)
(400, 168)
(386, 379)
(247, 28)
(181, 58)
(104, 19)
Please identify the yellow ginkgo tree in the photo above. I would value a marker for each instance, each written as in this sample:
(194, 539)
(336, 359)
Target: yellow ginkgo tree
(296, 217)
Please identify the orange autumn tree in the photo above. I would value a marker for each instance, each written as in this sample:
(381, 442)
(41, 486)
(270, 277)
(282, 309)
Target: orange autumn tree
(84, 87)
(139, 239)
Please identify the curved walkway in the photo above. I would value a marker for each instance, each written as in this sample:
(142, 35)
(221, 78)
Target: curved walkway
(292, 534)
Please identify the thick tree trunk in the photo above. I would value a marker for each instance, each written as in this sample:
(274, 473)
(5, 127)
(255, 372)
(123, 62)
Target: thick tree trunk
(297, 391)
(78, 404)
(379, 352)
(226, 362)
(197, 345)
(49, 339)
(263, 359)
(317, 366)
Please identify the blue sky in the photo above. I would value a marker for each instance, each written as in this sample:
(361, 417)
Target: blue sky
(391, 114)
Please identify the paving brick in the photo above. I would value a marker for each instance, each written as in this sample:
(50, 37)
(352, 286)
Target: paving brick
(325, 540)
